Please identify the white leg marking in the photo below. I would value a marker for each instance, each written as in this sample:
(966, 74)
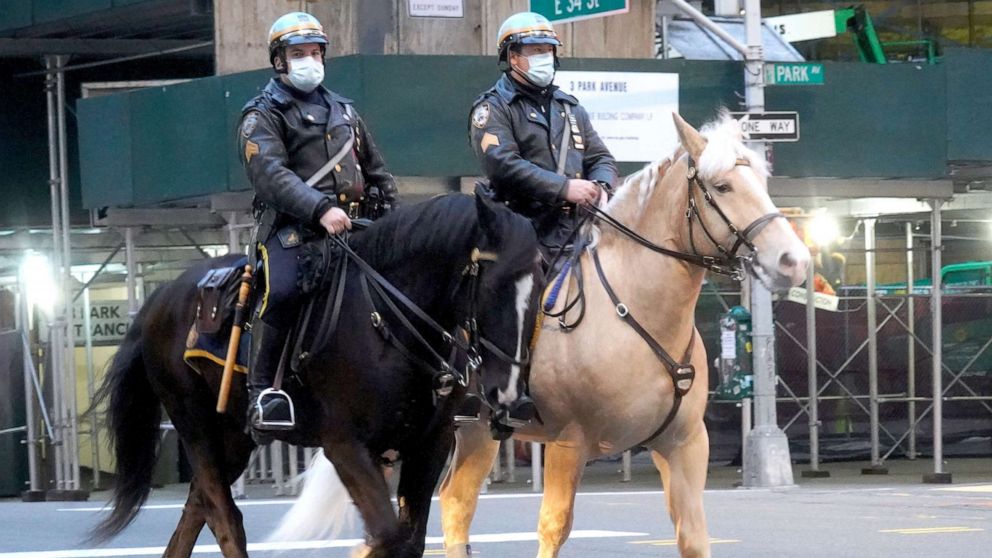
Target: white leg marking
(524, 287)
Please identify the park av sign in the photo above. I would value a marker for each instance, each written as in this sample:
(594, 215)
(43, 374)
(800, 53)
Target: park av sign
(560, 11)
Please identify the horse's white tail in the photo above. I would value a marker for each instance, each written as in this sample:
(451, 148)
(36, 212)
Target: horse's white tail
(323, 509)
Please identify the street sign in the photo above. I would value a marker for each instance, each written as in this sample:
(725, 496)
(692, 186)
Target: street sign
(436, 8)
(804, 26)
(768, 126)
(560, 11)
(793, 73)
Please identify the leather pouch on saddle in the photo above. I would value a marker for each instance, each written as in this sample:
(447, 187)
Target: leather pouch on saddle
(217, 293)
(206, 343)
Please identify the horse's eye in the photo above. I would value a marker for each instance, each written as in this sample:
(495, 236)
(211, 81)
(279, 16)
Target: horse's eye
(722, 187)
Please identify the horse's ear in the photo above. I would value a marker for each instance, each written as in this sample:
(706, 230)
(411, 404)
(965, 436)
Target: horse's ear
(488, 218)
(691, 139)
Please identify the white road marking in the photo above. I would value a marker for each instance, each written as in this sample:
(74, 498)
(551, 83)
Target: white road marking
(968, 488)
(291, 501)
(300, 545)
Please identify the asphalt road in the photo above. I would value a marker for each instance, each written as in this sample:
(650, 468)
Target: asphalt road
(844, 516)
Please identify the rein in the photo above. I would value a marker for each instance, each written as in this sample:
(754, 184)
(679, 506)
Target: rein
(445, 374)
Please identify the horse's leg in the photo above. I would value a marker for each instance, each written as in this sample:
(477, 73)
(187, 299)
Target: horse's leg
(475, 452)
(215, 453)
(189, 527)
(564, 463)
(368, 489)
(683, 472)
(418, 477)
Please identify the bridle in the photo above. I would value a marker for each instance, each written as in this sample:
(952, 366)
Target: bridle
(445, 374)
(728, 262)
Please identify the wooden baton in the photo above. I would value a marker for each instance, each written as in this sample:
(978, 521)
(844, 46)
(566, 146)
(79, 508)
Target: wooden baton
(235, 341)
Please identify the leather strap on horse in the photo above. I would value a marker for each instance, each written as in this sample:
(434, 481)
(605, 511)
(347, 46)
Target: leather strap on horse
(683, 374)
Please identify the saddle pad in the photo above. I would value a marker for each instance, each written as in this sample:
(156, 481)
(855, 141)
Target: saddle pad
(206, 350)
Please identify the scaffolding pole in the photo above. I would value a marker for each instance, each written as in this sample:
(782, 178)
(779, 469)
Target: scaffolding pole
(814, 419)
(910, 342)
(872, 312)
(56, 346)
(72, 405)
(936, 300)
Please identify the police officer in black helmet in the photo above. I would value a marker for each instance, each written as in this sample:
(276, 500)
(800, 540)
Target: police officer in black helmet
(314, 167)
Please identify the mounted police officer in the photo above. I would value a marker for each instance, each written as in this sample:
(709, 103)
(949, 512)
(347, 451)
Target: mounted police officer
(314, 167)
(535, 142)
(537, 148)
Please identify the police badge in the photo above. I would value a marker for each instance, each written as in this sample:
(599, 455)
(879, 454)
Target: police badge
(249, 123)
(480, 116)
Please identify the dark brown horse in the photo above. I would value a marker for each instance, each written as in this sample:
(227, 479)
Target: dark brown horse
(362, 394)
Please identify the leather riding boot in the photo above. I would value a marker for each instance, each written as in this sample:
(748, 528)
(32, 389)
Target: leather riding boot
(268, 409)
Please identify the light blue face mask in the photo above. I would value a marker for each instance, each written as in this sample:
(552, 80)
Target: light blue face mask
(306, 73)
(542, 69)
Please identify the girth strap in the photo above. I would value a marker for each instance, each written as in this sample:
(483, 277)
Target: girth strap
(683, 374)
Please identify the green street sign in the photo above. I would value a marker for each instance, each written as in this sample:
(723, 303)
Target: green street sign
(789, 73)
(560, 11)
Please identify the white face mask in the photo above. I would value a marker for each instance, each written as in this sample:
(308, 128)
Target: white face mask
(542, 69)
(306, 73)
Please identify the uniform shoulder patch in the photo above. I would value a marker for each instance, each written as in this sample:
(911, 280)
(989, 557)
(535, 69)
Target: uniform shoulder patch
(248, 123)
(480, 116)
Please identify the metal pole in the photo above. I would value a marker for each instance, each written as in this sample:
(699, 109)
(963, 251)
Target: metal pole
(91, 388)
(56, 346)
(72, 450)
(876, 464)
(746, 421)
(767, 461)
(233, 244)
(910, 341)
(936, 299)
(132, 268)
(814, 418)
(29, 410)
(537, 484)
(510, 449)
(664, 37)
(626, 466)
(751, 6)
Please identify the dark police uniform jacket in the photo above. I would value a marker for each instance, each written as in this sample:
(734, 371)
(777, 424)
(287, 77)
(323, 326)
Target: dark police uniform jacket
(285, 140)
(518, 150)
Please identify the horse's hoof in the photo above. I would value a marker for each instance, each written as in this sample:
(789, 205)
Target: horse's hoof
(458, 551)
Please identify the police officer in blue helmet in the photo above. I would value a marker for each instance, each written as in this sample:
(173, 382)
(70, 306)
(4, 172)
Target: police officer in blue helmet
(535, 143)
(537, 147)
(314, 167)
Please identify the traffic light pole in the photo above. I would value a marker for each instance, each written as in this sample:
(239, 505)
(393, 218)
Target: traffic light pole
(767, 462)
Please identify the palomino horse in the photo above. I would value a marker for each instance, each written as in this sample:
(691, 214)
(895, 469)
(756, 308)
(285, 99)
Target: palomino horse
(367, 389)
(597, 398)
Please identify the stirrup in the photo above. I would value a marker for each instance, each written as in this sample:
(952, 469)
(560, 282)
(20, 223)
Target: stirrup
(262, 424)
(470, 410)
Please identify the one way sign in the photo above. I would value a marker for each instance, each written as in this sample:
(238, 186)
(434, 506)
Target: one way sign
(768, 126)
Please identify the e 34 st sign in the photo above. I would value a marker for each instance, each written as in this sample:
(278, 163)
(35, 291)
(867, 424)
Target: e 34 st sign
(560, 11)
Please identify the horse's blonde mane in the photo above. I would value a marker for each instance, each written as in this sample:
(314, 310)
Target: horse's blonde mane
(723, 149)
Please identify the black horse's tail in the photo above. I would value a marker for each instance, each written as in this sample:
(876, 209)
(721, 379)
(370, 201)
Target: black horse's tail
(133, 417)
